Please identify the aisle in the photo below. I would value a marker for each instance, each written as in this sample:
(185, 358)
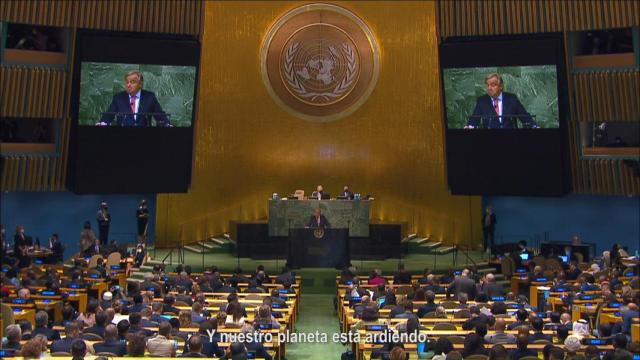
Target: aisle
(316, 314)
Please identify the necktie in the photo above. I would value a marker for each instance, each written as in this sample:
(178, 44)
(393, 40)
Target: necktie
(133, 104)
(495, 106)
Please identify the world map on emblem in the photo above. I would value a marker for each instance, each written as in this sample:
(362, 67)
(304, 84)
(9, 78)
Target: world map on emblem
(320, 62)
(320, 71)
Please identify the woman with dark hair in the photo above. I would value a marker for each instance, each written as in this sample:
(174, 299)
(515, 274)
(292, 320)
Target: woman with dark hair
(235, 314)
(473, 345)
(264, 317)
(88, 317)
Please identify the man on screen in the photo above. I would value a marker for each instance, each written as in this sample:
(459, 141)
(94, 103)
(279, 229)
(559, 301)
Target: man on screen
(498, 109)
(134, 106)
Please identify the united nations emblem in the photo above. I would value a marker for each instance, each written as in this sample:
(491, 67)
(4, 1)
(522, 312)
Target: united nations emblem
(318, 233)
(320, 62)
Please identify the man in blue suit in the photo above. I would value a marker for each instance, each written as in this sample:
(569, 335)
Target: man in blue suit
(498, 109)
(134, 106)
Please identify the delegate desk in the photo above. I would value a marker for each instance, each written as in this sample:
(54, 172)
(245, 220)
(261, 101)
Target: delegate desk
(318, 248)
(341, 214)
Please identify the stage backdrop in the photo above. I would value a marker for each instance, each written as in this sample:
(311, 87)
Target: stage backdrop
(247, 147)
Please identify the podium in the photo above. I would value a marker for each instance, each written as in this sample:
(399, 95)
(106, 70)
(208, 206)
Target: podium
(318, 247)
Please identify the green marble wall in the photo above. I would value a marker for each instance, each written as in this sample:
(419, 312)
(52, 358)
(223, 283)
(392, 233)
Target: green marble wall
(174, 87)
(341, 214)
(535, 86)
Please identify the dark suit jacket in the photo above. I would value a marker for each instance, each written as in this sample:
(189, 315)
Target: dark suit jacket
(493, 289)
(313, 222)
(96, 329)
(63, 345)
(116, 347)
(492, 221)
(484, 115)
(347, 194)
(58, 251)
(49, 333)
(148, 103)
(463, 285)
(426, 308)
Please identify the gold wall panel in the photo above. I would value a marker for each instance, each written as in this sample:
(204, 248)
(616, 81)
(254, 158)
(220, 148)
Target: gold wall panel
(247, 147)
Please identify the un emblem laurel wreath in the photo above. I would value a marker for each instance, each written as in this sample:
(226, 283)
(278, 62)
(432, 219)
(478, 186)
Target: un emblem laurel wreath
(342, 87)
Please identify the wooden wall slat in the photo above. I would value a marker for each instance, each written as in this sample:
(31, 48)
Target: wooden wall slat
(522, 16)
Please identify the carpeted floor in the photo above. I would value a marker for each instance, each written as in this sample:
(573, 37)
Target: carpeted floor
(316, 317)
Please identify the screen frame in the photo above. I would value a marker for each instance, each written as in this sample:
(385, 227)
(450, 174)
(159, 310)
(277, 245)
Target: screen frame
(113, 51)
(561, 183)
(158, 168)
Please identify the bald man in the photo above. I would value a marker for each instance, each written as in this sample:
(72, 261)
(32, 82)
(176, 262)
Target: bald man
(499, 337)
(112, 343)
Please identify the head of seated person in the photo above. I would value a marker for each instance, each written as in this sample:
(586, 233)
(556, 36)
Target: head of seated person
(169, 300)
(430, 296)
(42, 319)
(175, 324)
(522, 342)
(522, 315)
(498, 308)
(134, 319)
(14, 335)
(398, 353)
(34, 348)
(463, 298)
(185, 318)
(136, 344)
(537, 324)
(443, 346)
(562, 332)
(24, 293)
(523, 330)
(164, 329)
(572, 345)
(237, 350)
(454, 355)
(123, 329)
(498, 352)
(102, 318)
(26, 328)
(111, 333)
(370, 314)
